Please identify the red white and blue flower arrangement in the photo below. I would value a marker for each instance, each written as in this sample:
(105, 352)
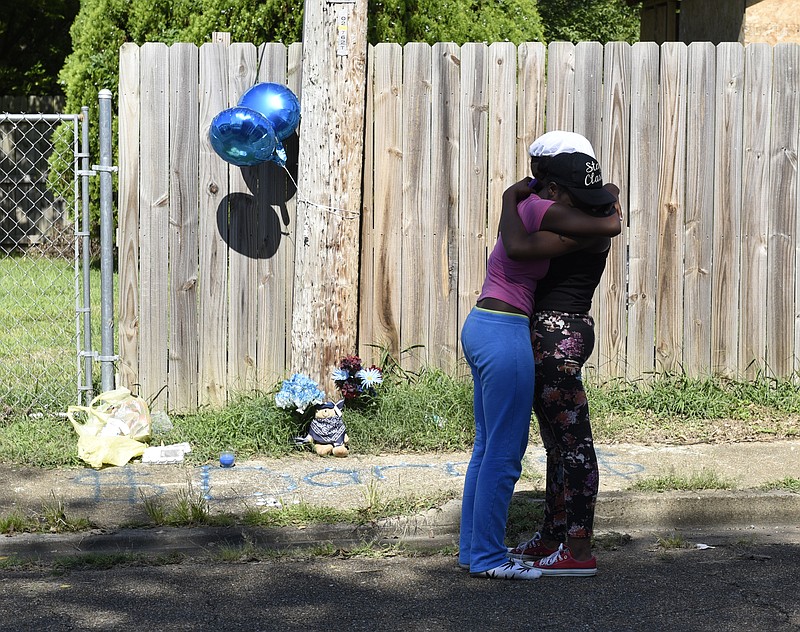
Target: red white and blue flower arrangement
(353, 380)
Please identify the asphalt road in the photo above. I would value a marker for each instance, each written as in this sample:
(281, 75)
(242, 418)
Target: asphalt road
(747, 581)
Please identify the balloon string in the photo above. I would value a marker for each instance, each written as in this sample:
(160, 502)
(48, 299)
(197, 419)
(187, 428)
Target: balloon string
(260, 59)
(346, 214)
(289, 173)
(333, 210)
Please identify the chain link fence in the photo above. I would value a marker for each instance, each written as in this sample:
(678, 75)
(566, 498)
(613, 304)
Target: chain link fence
(41, 280)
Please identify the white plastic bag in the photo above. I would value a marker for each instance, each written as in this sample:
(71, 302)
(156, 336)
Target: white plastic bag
(114, 429)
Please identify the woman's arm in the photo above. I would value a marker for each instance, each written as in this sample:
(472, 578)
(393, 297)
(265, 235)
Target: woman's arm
(562, 218)
(582, 229)
(572, 221)
(544, 244)
(519, 243)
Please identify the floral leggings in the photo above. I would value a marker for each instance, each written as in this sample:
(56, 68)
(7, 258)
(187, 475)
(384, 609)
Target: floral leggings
(561, 345)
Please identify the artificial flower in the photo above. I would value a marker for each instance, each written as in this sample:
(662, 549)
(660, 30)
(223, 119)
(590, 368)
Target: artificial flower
(370, 377)
(299, 392)
(353, 380)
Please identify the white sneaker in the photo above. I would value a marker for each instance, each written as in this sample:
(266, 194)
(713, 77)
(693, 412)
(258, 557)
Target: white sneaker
(512, 569)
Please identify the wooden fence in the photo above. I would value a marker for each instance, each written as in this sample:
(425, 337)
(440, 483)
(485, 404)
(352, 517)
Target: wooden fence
(701, 139)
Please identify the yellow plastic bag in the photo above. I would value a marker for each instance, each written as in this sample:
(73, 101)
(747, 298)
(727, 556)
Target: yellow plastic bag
(116, 424)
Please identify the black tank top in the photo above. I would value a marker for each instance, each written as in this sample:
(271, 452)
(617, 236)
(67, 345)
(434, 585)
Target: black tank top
(570, 282)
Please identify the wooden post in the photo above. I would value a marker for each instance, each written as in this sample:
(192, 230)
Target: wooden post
(221, 37)
(331, 132)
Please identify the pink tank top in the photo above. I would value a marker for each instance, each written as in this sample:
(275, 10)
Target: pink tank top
(514, 282)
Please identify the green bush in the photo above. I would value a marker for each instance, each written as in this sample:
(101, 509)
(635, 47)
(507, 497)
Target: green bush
(590, 20)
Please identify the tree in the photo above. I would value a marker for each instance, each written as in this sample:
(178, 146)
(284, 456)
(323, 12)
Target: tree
(456, 21)
(33, 45)
(590, 20)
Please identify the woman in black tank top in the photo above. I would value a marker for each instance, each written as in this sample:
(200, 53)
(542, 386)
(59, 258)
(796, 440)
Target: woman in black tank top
(563, 338)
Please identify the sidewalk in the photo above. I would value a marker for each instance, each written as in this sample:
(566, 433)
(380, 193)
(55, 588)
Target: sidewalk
(113, 496)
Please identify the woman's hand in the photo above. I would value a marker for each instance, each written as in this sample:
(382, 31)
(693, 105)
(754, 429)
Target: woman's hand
(520, 190)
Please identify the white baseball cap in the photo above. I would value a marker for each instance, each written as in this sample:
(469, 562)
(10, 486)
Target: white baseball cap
(560, 142)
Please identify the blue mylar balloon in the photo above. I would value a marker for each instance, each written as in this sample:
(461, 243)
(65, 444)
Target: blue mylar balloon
(277, 103)
(242, 137)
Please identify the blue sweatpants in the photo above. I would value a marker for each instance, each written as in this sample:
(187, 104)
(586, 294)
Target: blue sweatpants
(497, 346)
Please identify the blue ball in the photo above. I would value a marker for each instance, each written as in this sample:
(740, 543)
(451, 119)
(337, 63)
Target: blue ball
(242, 137)
(277, 103)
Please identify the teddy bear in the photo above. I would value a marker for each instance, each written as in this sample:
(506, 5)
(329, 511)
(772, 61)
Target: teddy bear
(326, 432)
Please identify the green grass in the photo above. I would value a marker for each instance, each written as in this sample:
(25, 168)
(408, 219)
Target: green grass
(523, 516)
(432, 412)
(671, 542)
(787, 484)
(52, 519)
(106, 561)
(426, 412)
(38, 355)
(190, 510)
(677, 409)
(696, 481)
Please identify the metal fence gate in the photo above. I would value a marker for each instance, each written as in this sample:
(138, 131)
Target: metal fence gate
(47, 285)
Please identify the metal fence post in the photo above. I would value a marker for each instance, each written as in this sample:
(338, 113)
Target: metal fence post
(107, 356)
(87, 353)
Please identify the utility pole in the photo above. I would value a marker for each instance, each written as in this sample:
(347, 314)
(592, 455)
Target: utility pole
(329, 195)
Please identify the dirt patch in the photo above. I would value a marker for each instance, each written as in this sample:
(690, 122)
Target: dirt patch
(647, 428)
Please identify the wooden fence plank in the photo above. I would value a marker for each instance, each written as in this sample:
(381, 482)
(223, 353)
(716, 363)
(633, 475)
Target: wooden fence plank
(366, 288)
(154, 223)
(212, 233)
(783, 183)
(274, 252)
(183, 218)
(472, 180)
(700, 158)
(789, 56)
(415, 295)
(242, 232)
(792, 151)
(588, 120)
(755, 209)
(441, 244)
(609, 307)
(294, 79)
(531, 100)
(588, 112)
(642, 205)
(128, 216)
(388, 197)
(560, 86)
(502, 97)
(672, 124)
(725, 307)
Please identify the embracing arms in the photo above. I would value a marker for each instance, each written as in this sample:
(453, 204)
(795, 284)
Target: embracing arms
(565, 229)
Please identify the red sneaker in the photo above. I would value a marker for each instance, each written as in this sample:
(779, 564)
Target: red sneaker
(531, 550)
(562, 563)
